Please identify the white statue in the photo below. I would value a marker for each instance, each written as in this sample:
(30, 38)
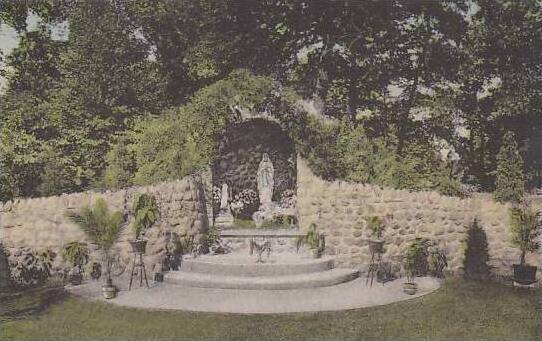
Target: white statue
(224, 198)
(225, 218)
(265, 181)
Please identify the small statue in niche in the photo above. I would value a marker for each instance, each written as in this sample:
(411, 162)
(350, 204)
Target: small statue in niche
(224, 198)
(225, 218)
(266, 182)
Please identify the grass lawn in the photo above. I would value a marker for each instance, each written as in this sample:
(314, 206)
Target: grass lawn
(460, 309)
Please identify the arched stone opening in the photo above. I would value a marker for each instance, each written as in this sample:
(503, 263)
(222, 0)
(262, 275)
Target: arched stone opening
(241, 149)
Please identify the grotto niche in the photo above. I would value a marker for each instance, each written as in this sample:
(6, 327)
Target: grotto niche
(254, 177)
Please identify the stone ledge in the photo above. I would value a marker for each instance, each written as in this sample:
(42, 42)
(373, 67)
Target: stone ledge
(247, 233)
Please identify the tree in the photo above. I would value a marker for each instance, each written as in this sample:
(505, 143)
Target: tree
(510, 184)
(59, 174)
(121, 164)
(33, 66)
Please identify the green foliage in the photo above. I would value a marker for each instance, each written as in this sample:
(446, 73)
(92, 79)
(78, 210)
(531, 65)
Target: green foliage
(524, 225)
(183, 140)
(313, 239)
(75, 253)
(510, 183)
(165, 149)
(30, 267)
(124, 60)
(121, 165)
(146, 213)
(101, 227)
(437, 262)
(345, 151)
(59, 173)
(376, 225)
(416, 258)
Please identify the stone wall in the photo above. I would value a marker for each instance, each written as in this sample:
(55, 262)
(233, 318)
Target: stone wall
(4, 269)
(339, 210)
(42, 223)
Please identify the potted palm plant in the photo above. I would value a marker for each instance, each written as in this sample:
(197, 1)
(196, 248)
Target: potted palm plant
(103, 229)
(76, 254)
(146, 214)
(524, 226)
(376, 244)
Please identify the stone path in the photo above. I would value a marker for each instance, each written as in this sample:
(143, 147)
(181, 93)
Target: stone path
(351, 295)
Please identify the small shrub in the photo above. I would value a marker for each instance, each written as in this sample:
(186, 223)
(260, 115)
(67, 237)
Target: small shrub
(437, 262)
(475, 262)
(30, 267)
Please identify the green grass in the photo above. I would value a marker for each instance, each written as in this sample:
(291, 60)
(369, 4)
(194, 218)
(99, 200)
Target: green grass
(460, 309)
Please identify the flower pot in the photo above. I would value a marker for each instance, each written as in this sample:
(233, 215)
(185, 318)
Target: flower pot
(410, 288)
(315, 253)
(158, 277)
(138, 246)
(75, 279)
(376, 246)
(524, 274)
(109, 291)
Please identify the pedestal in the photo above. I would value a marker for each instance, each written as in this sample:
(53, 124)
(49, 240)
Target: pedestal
(224, 219)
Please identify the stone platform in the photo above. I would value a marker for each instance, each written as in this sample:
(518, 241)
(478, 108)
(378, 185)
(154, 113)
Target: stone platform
(350, 295)
(284, 283)
(240, 270)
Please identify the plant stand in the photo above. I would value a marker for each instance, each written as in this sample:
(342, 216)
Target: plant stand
(374, 267)
(138, 264)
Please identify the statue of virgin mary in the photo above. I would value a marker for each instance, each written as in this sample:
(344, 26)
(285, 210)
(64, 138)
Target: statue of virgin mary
(265, 180)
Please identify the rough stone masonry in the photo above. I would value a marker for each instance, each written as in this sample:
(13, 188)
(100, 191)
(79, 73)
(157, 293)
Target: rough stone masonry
(337, 208)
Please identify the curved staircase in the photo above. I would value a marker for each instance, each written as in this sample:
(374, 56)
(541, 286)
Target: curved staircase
(278, 272)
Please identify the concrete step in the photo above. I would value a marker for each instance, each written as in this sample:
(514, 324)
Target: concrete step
(310, 280)
(245, 266)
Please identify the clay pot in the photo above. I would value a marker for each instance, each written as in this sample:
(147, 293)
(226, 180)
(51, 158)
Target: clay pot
(376, 246)
(524, 274)
(139, 246)
(109, 292)
(75, 279)
(410, 288)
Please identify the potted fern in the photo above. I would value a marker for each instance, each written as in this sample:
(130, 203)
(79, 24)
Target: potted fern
(415, 264)
(103, 229)
(524, 226)
(376, 225)
(76, 254)
(146, 214)
(314, 240)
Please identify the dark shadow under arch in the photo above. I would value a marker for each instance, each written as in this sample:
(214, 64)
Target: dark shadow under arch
(240, 151)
